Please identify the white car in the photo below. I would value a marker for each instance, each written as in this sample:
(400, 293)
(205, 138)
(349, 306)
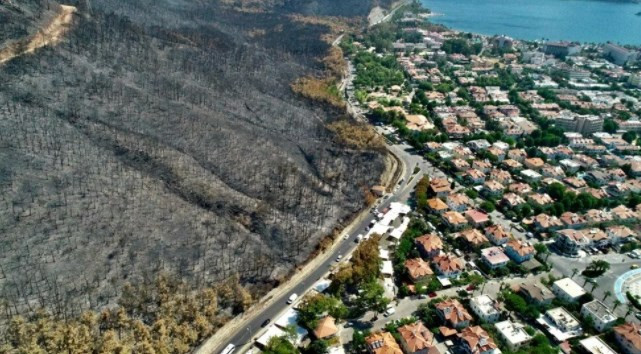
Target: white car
(346, 237)
(228, 349)
(390, 311)
(338, 259)
(292, 298)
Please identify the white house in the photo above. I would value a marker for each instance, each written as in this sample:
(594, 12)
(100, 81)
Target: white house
(560, 324)
(601, 315)
(594, 345)
(531, 175)
(513, 334)
(485, 308)
(494, 257)
(568, 290)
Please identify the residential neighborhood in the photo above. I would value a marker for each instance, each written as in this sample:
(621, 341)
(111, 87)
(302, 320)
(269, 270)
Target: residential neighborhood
(525, 237)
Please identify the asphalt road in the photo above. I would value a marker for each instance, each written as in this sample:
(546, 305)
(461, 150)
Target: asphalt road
(401, 194)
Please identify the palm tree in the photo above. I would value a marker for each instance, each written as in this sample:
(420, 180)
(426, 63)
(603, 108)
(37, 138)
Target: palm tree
(606, 294)
(574, 271)
(598, 267)
(616, 304)
(591, 281)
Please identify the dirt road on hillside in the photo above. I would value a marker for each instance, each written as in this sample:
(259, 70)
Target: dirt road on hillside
(50, 34)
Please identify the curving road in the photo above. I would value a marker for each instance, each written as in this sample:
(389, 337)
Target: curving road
(410, 160)
(243, 338)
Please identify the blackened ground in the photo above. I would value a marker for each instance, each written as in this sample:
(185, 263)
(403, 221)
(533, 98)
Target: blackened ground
(163, 135)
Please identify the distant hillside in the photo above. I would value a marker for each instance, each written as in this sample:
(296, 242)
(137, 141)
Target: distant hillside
(163, 136)
(335, 8)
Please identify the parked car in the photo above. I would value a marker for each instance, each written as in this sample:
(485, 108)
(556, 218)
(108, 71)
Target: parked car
(338, 259)
(292, 298)
(265, 322)
(390, 311)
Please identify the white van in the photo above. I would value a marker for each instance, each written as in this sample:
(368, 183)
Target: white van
(389, 311)
(292, 298)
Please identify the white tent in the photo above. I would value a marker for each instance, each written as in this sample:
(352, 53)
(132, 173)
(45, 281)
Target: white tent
(388, 268)
(322, 285)
(398, 232)
(271, 332)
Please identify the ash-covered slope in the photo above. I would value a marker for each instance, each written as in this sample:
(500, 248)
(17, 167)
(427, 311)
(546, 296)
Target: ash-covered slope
(163, 135)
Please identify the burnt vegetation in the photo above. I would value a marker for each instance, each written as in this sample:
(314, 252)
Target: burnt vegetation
(162, 137)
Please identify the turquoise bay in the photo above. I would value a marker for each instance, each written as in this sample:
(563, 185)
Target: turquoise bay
(575, 20)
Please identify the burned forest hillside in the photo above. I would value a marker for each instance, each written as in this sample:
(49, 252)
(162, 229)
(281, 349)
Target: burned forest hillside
(164, 137)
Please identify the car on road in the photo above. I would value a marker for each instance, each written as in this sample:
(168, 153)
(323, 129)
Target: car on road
(346, 237)
(432, 295)
(292, 298)
(519, 228)
(634, 266)
(228, 349)
(266, 322)
(390, 311)
(338, 259)
(358, 238)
